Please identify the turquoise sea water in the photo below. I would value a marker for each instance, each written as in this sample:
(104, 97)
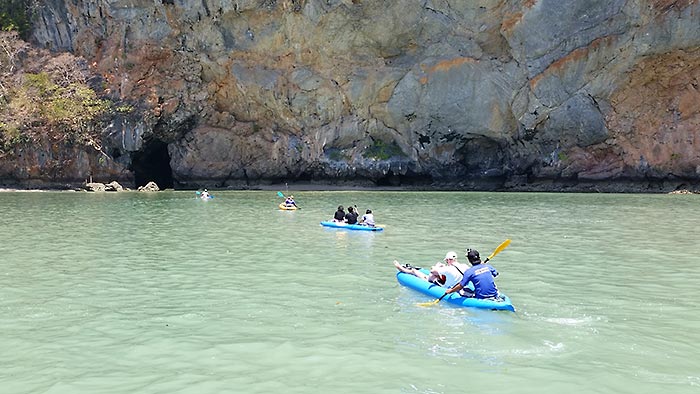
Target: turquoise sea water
(164, 293)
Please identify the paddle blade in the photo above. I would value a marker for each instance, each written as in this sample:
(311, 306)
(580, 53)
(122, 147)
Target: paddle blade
(198, 192)
(500, 247)
(431, 303)
(280, 194)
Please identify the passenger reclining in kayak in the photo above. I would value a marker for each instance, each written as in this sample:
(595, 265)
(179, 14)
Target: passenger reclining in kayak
(481, 276)
(446, 275)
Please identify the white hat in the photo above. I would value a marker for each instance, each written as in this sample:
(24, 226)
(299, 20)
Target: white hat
(451, 255)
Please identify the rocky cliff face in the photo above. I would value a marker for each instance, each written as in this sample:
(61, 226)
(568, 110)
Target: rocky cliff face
(473, 94)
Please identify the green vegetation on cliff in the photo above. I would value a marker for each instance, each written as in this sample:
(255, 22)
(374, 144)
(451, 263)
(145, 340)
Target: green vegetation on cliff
(70, 111)
(16, 15)
(53, 103)
(380, 150)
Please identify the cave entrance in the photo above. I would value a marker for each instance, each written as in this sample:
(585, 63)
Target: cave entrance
(152, 163)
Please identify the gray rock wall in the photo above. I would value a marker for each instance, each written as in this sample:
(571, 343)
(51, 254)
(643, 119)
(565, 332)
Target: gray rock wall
(502, 92)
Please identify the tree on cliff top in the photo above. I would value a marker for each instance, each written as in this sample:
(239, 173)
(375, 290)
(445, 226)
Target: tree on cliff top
(16, 15)
(51, 103)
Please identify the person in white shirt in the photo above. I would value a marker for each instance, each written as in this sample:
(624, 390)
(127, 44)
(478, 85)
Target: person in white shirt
(368, 218)
(445, 274)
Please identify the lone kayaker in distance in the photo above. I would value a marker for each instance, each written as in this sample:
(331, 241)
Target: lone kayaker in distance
(289, 202)
(339, 214)
(205, 194)
(481, 276)
(443, 274)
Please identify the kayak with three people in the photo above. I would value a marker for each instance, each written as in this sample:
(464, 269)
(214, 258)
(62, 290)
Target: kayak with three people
(343, 225)
(351, 220)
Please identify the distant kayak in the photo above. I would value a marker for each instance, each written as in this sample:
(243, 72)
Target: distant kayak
(287, 207)
(351, 226)
(436, 291)
(204, 197)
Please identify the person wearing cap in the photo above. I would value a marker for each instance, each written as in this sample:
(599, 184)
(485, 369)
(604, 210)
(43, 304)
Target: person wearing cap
(289, 202)
(339, 214)
(205, 194)
(481, 275)
(351, 216)
(445, 274)
(368, 218)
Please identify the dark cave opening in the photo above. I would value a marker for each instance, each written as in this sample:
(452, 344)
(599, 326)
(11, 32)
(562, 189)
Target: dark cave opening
(152, 163)
(394, 180)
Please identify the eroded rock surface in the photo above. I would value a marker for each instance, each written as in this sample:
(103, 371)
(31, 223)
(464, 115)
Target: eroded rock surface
(466, 93)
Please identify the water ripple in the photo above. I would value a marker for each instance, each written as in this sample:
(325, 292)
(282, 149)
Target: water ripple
(156, 293)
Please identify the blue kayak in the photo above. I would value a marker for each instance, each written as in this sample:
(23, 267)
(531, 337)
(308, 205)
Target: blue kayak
(351, 226)
(436, 291)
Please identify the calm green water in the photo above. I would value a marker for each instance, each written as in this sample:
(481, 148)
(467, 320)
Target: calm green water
(164, 293)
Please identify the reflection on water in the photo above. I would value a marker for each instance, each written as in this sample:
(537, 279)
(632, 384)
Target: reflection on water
(352, 238)
(162, 292)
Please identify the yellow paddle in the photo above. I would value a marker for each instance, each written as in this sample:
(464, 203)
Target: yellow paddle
(498, 250)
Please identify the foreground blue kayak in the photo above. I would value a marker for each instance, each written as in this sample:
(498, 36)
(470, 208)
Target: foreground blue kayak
(351, 226)
(436, 292)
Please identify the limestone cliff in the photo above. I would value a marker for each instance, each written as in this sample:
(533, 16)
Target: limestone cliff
(488, 94)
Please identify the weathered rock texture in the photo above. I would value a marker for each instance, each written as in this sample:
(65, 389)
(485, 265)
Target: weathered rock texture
(472, 94)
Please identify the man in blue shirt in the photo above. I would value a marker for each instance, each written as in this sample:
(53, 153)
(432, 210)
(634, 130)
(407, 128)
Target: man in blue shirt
(481, 276)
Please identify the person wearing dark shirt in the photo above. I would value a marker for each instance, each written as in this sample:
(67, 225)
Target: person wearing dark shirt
(351, 216)
(339, 214)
